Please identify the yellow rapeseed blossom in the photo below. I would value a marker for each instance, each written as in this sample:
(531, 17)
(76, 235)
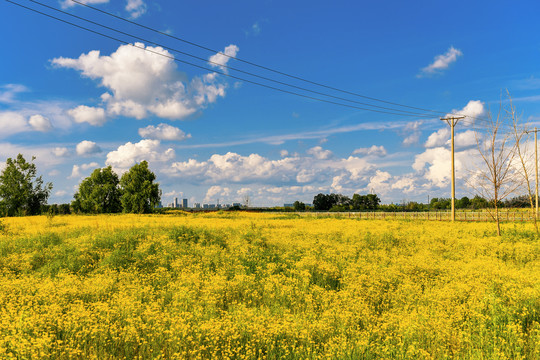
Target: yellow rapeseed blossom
(230, 285)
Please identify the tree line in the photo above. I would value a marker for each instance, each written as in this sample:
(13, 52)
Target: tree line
(22, 192)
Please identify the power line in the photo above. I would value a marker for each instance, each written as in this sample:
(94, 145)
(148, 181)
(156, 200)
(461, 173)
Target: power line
(222, 65)
(273, 70)
(392, 111)
(252, 63)
(219, 72)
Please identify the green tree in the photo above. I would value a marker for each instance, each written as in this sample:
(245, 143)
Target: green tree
(299, 206)
(21, 192)
(139, 192)
(99, 193)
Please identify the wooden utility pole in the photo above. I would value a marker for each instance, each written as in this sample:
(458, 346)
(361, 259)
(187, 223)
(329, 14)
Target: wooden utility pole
(452, 121)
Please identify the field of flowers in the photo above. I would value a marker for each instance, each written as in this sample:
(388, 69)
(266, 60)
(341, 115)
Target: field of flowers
(266, 286)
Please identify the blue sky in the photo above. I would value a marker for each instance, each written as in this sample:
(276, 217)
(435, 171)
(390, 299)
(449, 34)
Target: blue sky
(78, 101)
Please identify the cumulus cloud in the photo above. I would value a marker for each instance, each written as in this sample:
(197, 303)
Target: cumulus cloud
(75, 172)
(442, 62)
(217, 191)
(221, 59)
(163, 132)
(434, 164)
(135, 8)
(473, 109)
(378, 183)
(237, 168)
(319, 153)
(60, 193)
(233, 168)
(61, 151)
(405, 183)
(438, 138)
(374, 150)
(12, 123)
(87, 148)
(40, 123)
(128, 154)
(146, 82)
(87, 114)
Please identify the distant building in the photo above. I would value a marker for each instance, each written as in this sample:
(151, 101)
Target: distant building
(288, 205)
(205, 206)
(175, 203)
(237, 204)
(197, 205)
(184, 203)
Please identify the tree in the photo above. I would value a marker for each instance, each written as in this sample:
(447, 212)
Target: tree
(521, 134)
(495, 179)
(139, 192)
(299, 206)
(21, 192)
(99, 193)
(327, 201)
(463, 203)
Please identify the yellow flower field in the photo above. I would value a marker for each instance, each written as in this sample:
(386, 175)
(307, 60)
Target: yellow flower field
(266, 286)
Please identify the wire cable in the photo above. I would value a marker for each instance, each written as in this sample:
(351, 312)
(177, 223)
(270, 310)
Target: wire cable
(268, 68)
(252, 63)
(212, 70)
(222, 65)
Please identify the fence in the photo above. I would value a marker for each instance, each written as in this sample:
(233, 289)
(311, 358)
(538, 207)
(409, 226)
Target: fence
(504, 215)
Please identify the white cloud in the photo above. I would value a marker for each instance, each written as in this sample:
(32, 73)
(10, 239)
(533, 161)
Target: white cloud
(473, 109)
(128, 154)
(284, 153)
(143, 82)
(434, 164)
(379, 182)
(12, 123)
(438, 138)
(68, 3)
(40, 123)
(442, 61)
(217, 191)
(86, 147)
(136, 8)
(221, 59)
(9, 91)
(412, 133)
(405, 183)
(163, 132)
(61, 151)
(92, 165)
(92, 115)
(44, 160)
(233, 167)
(374, 150)
(60, 193)
(465, 139)
(75, 172)
(319, 153)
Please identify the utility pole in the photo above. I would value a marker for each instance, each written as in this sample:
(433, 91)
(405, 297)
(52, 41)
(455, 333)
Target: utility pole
(452, 121)
(535, 166)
